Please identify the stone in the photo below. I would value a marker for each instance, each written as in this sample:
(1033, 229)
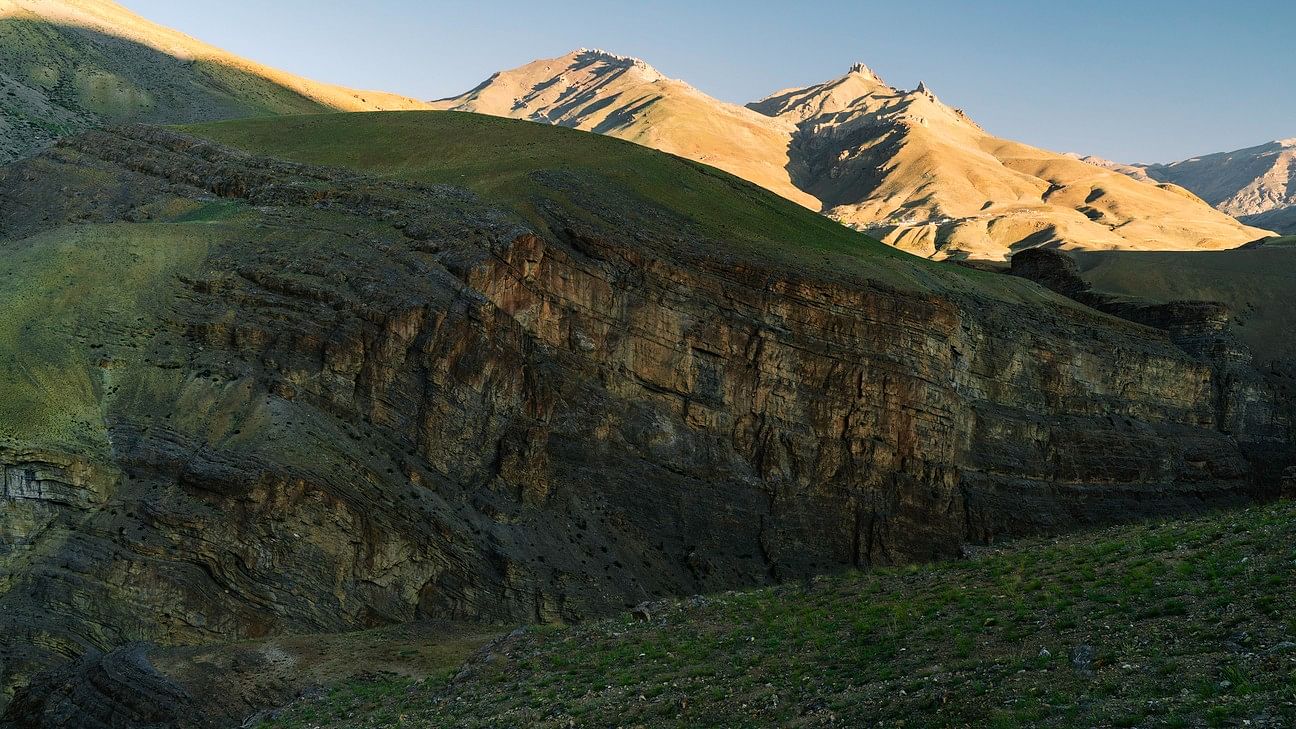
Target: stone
(1082, 659)
(1285, 646)
(452, 450)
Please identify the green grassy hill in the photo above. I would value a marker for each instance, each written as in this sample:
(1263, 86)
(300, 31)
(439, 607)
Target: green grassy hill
(1257, 283)
(1185, 624)
(274, 400)
(609, 183)
(526, 165)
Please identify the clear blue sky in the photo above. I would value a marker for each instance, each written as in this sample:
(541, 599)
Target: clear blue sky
(1133, 80)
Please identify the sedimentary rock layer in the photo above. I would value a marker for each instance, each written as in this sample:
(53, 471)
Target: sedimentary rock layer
(367, 401)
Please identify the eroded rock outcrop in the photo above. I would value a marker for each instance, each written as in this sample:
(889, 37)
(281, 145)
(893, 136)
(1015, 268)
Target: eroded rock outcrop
(379, 401)
(1253, 410)
(117, 690)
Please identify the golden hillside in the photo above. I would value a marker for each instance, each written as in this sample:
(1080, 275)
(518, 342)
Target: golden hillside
(626, 98)
(899, 164)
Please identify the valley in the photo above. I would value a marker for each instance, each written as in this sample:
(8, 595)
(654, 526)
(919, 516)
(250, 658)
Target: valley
(586, 399)
(360, 394)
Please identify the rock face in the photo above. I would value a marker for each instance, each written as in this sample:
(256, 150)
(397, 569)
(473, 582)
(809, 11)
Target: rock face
(1256, 185)
(1247, 404)
(369, 401)
(118, 690)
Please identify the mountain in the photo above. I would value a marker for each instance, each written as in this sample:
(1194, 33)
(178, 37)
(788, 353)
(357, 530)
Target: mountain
(1138, 172)
(67, 65)
(928, 179)
(624, 97)
(1279, 219)
(1256, 185)
(898, 164)
(327, 373)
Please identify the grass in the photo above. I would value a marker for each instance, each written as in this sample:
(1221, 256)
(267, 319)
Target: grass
(528, 167)
(94, 332)
(68, 295)
(1183, 624)
(1257, 284)
(498, 158)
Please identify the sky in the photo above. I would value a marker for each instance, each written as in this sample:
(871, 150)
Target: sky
(1131, 80)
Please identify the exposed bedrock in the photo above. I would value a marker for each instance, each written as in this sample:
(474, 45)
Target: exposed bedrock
(1250, 404)
(472, 419)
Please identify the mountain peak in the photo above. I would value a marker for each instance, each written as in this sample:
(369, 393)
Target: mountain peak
(859, 69)
(582, 57)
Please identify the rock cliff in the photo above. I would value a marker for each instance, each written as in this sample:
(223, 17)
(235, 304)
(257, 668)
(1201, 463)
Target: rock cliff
(333, 399)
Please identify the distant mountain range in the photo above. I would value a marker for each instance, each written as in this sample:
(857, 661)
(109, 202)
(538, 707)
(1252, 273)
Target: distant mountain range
(67, 66)
(898, 164)
(1256, 185)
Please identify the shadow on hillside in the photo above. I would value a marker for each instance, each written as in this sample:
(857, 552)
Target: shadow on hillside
(57, 80)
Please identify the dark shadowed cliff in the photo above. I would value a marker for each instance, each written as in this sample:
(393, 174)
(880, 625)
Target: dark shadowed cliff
(335, 372)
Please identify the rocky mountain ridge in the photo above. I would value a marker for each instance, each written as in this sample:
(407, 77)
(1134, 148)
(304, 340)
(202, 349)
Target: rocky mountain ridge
(901, 165)
(1256, 185)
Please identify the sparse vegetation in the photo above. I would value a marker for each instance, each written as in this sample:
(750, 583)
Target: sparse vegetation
(67, 294)
(1181, 624)
(1257, 284)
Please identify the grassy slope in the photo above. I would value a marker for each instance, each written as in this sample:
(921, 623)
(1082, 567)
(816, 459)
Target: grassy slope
(1158, 625)
(127, 80)
(90, 334)
(1258, 285)
(496, 157)
(502, 160)
(70, 64)
(69, 293)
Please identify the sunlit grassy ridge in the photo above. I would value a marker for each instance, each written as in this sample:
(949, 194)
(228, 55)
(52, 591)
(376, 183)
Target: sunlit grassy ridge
(526, 166)
(498, 158)
(1187, 624)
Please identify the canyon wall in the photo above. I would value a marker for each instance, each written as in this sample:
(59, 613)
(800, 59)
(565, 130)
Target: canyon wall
(374, 401)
